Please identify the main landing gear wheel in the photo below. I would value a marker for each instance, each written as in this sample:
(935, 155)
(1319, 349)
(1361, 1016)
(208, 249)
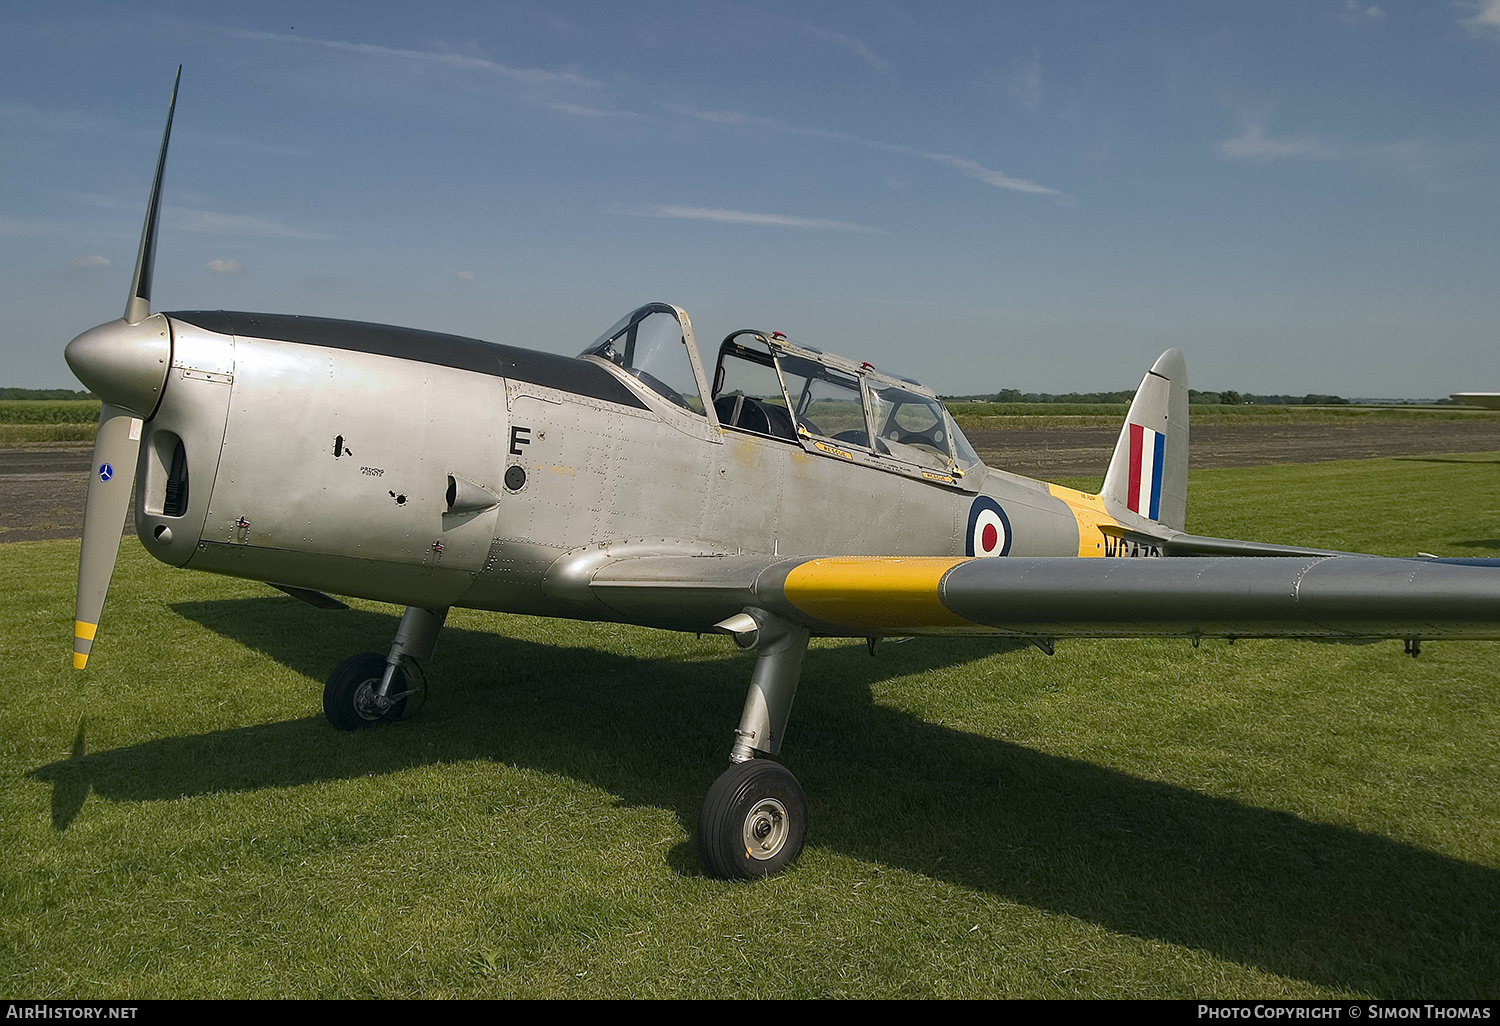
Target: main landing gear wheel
(753, 821)
(349, 699)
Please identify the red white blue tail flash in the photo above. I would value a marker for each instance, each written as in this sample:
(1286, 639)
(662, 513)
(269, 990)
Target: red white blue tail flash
(1147, 448)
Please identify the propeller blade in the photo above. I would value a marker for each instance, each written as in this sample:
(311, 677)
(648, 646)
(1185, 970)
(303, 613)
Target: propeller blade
(138, 306)
(125, 364)
(117, 447)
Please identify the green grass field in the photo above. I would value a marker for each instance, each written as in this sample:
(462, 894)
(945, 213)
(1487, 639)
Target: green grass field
(1262, 819)
(47, 421)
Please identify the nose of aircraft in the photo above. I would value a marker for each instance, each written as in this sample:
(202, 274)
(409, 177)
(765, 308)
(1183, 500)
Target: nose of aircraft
(124, 364)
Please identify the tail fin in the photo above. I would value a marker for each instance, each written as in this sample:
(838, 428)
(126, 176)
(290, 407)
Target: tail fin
(1148, 473)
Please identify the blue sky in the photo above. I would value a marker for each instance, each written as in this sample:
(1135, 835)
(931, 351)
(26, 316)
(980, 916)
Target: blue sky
(1302, 195)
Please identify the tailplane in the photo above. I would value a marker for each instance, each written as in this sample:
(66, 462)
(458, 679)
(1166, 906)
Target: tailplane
(1148, 472)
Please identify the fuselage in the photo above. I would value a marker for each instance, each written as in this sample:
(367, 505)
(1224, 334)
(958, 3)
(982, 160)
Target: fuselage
(433, 470)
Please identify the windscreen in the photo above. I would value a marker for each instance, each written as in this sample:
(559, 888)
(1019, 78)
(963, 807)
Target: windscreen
(649, 345)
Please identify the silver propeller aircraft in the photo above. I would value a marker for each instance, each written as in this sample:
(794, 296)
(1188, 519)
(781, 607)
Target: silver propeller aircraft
(775, 493)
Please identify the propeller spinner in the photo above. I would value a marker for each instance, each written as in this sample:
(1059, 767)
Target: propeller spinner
(125, 363)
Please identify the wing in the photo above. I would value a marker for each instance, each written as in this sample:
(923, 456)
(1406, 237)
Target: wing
(1339, 596)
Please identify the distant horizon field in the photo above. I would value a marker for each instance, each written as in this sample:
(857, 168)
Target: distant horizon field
(72, 422)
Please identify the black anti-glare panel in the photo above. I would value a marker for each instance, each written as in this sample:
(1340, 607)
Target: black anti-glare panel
(564, 373)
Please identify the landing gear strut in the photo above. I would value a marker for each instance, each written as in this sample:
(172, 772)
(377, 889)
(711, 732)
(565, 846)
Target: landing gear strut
(367, 688)
(754, 817)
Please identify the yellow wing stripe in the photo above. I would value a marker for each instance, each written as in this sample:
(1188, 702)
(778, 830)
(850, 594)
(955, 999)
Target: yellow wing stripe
(80, 660)
(84, 630)
(874, 593)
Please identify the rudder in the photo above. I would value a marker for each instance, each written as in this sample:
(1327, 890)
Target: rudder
(1148, 472)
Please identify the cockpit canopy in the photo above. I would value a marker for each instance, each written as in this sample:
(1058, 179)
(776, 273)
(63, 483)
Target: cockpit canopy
(765, 384)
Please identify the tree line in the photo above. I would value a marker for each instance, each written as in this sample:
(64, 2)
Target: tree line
(44, 393)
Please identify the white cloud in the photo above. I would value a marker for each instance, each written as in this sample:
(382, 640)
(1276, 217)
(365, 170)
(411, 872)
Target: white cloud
(248, 146)
(1414, 159)
(89, 262)
(1353, 9)
(12, 226)
(1411, 158)
(860, 50)
(720, 117)
(214, 223)
(98, 199)
(530, 76)
(578, 110)
(1486, 17)
(189, 219)
(1252, 144)
(746, 217)
(224, 266)
(28, 118)
(545, 88)
(1026, 83)
(973, 169)
(963, 165)
(465, 276)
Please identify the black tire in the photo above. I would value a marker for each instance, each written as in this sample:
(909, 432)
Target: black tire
(348, 695)
(753, 821)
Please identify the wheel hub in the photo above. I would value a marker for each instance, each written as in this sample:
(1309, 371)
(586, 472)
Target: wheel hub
(766, 828)
(367, 703)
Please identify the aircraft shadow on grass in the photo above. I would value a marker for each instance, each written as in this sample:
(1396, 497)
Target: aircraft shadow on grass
(1305, 900)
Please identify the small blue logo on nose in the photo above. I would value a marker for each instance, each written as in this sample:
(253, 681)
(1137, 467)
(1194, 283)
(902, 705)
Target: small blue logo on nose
(106, 472)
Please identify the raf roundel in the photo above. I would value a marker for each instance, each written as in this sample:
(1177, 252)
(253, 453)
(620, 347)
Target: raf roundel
(989, 529)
